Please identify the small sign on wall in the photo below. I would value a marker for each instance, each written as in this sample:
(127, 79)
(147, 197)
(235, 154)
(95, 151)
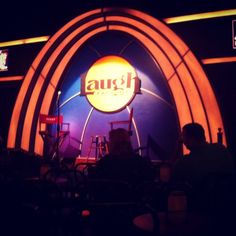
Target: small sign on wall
(3, 60)
(234, 33)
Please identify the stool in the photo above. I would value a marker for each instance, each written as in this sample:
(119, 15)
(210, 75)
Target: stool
(99, 144)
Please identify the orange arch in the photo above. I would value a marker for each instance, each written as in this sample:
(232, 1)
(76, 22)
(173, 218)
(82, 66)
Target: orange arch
(191, 90)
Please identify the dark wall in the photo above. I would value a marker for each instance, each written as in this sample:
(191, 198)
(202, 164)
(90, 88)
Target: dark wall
(8, 94)
(223, 81)
(20, 59)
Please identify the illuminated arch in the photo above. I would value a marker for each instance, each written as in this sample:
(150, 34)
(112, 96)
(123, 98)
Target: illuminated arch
(191, 90)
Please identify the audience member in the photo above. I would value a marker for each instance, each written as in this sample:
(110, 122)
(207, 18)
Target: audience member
(122, 163)
(204, 158)
(209, 169)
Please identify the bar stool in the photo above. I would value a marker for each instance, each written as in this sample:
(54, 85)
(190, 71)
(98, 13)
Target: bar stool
(99, 145)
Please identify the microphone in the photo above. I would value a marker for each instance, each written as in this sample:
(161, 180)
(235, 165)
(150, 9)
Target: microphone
(58, 95)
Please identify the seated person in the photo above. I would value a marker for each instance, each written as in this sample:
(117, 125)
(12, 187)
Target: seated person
(122, 163)
(204, 158)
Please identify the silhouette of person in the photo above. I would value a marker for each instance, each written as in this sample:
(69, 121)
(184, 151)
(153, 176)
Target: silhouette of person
(122, 163)
(204, 158)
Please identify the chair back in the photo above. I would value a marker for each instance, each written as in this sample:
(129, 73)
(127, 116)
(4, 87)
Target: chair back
(125, 122)
(50, 119)
(45, 120)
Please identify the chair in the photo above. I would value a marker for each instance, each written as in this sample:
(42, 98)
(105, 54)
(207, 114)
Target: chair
(46, 123)
(152, 148)
(121, 122)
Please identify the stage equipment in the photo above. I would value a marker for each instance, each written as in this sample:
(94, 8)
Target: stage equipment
(100, 145)
(125, 122)
(50, 138)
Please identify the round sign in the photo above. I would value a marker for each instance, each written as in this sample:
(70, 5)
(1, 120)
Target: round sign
(111, 84)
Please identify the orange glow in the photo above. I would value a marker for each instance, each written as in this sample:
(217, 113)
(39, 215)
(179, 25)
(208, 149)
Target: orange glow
(207, 95)
(192, 93)
(24, 41)
(16, 111)
(193, 97)
(55, 79)
(32, 103)
(200, 16)
(162, 42)
(164, 63)
(11, 78)
(30, 73)
(183, 108)
(200, 73)
(168, 70)
(110, 84)
(213, 121)
(181, 102)
(218, 60)
(159, 27)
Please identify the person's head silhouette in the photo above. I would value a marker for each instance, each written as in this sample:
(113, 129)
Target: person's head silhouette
(119, 142)
(193, 135)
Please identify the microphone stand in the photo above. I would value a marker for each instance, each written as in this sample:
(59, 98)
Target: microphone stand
(58, 126)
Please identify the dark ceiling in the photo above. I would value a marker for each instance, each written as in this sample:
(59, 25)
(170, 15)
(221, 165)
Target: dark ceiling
(36, 18)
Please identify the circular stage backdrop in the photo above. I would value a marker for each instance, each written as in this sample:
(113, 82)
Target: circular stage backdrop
(106, 62)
